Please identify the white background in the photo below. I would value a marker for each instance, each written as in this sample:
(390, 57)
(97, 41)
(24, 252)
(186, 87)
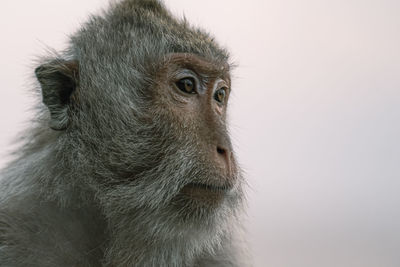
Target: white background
(315, 115)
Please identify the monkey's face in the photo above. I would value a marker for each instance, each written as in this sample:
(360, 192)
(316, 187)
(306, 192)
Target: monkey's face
(193, 93)
(192, 167)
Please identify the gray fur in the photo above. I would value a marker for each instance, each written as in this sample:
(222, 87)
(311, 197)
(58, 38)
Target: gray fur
(98, 187)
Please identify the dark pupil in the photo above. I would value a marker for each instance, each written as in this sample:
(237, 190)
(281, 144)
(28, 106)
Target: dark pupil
(186, 85)
(220, 95)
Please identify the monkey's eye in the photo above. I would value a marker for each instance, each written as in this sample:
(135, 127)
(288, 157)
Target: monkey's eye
(220, 95)
(186, 85)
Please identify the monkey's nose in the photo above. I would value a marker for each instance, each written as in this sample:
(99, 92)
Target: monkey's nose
(224, 158)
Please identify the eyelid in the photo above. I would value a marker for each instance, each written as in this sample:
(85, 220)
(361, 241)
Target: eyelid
(222, 84)
(184, 73)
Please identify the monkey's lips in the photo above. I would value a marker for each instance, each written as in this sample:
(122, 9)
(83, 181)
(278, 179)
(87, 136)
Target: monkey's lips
(205, 192)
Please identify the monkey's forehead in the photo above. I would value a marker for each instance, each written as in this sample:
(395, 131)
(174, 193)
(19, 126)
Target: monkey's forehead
(210, 67)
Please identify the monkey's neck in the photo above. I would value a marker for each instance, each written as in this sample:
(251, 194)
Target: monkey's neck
(131, 248)
(145, 253)
(137, 240)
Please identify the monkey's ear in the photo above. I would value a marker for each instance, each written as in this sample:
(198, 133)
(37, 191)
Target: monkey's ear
(58, 80)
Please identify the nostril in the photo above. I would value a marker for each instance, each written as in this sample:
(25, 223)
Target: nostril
(224, 158)
(221, 151)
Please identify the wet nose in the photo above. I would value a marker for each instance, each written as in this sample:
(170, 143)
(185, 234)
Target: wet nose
(224, 157)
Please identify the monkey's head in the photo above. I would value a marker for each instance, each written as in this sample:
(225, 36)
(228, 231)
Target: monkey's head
(139, 101)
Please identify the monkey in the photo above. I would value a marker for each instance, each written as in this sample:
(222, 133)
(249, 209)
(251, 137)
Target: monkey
(129, 161)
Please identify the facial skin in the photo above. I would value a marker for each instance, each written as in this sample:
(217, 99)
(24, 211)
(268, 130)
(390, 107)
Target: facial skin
(198, 91)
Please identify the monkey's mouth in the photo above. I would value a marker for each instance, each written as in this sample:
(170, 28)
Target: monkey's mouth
(206, 193)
